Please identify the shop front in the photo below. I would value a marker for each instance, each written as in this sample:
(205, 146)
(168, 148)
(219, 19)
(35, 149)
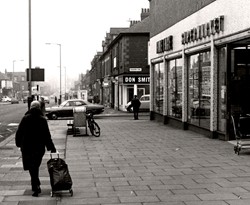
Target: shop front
(106, 92)
(130, 85)
(200, 70)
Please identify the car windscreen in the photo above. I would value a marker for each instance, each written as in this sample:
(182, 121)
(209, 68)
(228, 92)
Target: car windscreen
(64, 104)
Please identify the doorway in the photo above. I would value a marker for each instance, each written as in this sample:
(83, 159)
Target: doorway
(239, 82)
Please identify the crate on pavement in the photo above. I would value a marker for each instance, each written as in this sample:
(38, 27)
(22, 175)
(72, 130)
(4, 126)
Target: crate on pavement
(80, 121)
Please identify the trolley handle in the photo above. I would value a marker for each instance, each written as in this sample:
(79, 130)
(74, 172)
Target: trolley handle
(57, 153)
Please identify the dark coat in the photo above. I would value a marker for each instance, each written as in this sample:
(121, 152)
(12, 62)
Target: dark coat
(135, 103)
(32, 137)
(42, 104)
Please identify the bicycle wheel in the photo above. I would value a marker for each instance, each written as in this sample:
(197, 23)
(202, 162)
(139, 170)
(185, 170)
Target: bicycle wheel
(95, 129)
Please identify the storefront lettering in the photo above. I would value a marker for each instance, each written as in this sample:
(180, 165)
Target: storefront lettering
(165, 44)
(136, 79)
(143, 79)
(129, 79)
(205, 30)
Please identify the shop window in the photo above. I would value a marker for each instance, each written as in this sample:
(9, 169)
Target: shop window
(222, 91)
(199, 89)
(158, 87)
(175, 88)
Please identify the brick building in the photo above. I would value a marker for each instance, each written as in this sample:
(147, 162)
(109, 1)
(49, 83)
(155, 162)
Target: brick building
(124, 63)
(19, 84)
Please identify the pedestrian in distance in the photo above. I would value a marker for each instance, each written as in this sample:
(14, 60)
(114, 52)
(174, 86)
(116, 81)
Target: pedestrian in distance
(32, 137)
(135, 103)
(42, 103)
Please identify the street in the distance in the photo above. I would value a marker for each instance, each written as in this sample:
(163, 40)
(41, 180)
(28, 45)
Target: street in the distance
(10, 117)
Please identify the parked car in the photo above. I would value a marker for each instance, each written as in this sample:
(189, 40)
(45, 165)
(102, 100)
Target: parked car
(65, 109)
(145, 103)
(6, 99)
(14, 101)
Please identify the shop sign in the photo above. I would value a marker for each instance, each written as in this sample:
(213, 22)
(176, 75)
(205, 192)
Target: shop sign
(37, 74)
(136, 79)
(165, 44)
(135, 69)
(210, 28)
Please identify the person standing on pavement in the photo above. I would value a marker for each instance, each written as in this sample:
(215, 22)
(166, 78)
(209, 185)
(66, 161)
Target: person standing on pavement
(135, 103)
(42, 103)
(33, 136)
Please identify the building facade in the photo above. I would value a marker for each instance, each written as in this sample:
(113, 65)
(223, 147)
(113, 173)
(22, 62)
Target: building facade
(121, 70)
(19, 84)
(95, 79)
(199, 64)
(130, 71)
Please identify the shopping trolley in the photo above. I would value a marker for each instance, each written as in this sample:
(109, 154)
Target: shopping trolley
(241, 126)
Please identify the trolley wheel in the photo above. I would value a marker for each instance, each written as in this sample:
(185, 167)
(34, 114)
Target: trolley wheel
(235, 149)
(239, 150)
(71, 192)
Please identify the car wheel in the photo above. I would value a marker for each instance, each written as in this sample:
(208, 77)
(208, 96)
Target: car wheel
(130, 109)
(54, 116)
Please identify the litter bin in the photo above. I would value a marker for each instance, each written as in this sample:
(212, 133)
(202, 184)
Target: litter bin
(80, 123)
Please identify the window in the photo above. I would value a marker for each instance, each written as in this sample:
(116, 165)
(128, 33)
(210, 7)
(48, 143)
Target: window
(67, 104)
(158, 87)
(175, 88)
(114, 62)
(144, 98)
(222, 91)
(77, 103)
(199, 89)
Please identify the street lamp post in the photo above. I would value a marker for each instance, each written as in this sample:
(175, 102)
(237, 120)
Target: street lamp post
(30, 82)
(60, 95)
(13, 76)
(65, 83)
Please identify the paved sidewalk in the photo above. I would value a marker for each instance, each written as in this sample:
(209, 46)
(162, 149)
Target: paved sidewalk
(134, 162)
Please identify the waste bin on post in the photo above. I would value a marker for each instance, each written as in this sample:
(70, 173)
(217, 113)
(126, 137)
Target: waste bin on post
(80, 122)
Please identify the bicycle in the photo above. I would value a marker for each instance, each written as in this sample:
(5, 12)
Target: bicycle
(93, 126)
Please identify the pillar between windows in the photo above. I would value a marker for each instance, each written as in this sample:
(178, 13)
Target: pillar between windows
(152, 96)
(214, 88)
(184, 89)
(165, 88)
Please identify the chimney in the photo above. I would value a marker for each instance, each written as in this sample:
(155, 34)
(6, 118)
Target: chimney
(133, 23)
(144, 13)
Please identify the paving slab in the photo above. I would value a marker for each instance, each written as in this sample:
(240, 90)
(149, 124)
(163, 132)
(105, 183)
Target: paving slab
(138, 162)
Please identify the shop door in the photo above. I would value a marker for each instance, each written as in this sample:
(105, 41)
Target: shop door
(130, 94)
(240, 81)
(239, 96)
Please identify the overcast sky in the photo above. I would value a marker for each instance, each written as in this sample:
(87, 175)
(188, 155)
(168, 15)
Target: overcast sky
(78, 25)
